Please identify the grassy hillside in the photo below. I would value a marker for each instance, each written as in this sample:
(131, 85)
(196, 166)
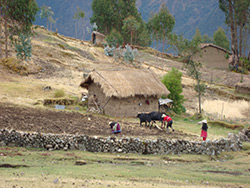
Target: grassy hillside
(60, 62)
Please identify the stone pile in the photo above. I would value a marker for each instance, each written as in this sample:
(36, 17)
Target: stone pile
(118, 145)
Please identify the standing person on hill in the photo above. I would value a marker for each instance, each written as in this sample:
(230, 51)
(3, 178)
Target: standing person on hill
(204, 129)
(115, 127)
(169, 121)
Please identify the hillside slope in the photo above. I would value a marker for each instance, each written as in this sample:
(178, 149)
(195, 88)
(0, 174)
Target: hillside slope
(60, 62)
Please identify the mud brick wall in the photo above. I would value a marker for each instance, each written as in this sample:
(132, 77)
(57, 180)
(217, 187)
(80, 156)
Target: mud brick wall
(120, 145)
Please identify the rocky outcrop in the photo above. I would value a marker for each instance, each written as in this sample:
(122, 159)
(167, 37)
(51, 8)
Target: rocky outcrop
(119, 145)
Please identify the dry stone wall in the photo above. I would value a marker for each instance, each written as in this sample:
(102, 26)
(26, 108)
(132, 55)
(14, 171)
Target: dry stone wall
(119, 145)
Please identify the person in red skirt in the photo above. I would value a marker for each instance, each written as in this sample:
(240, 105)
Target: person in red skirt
(204, 129)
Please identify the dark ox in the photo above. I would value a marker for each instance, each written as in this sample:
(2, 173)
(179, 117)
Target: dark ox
(144, 118)
(150, 117)
(157, 116)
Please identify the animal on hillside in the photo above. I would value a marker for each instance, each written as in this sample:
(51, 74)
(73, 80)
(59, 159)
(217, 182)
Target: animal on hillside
(157, 116)
(144, 118)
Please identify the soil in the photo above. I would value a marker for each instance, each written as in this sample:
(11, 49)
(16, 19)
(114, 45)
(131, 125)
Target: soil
(64, 122)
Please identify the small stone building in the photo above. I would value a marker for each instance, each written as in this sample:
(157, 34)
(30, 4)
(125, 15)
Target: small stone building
(97, 38)
(124, 93)
(243, 87)
(213, 56)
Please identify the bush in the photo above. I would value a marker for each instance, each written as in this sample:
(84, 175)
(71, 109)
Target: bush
(59, 93)
(109, 51)
(23, 46)
(172, 80)
(130, 54)
(245, 63)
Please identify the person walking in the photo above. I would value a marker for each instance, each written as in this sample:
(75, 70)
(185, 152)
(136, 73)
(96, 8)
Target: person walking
(204, 129)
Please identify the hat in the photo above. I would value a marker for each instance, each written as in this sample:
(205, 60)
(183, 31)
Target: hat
(203, 121)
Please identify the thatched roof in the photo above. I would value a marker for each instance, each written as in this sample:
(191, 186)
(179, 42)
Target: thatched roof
(127, 83)
(204, 45)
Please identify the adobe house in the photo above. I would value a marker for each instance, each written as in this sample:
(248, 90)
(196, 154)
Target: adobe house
(97, 38)
(213, 56)
(124, 93)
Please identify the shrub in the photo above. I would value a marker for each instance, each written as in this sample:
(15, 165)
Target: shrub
(130, 54)
(172, 80)
(109, 51)
(59, 93)
(23, 46)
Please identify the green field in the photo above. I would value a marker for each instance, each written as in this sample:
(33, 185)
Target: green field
(22, 167)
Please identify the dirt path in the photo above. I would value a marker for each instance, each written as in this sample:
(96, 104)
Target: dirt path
(63, 122)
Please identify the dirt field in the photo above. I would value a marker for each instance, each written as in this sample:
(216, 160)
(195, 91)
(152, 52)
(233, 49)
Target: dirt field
(62, 122)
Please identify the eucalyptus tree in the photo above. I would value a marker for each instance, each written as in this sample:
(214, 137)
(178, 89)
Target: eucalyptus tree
(47, 13)
(161, 25)
(220, 38)
(236, 12)
(18, 16)
(79, 15)
(131, 25)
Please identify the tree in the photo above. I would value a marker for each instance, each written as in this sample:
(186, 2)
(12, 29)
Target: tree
(111, 14)
(47, 13)
(220, 38)
(236, 12)
(79, 14)
(104, 15)
(114, 38)
(166, 22)
(243, 15)
(206, 39)
(186, 50)
(131, 25)
(20, 14)
(172, 80)
(197, 36)
(153, 26)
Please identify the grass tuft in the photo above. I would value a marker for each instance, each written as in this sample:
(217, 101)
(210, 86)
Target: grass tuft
(224, 124)
(59, 93)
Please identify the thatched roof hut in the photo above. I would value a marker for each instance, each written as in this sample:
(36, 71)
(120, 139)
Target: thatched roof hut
(125, 92)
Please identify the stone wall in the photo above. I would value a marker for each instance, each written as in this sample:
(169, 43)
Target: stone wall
(120, 145)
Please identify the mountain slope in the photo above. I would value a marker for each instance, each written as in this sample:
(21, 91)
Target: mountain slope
(188, 15)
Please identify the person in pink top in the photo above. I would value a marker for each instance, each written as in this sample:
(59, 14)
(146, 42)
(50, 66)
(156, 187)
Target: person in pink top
(115, 127)
(169, 121)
